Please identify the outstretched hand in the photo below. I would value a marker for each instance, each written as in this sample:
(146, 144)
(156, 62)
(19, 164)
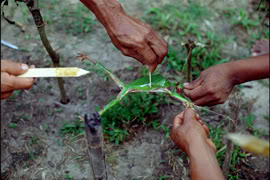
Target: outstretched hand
(189, 128)
(9, 81)
(137, 39)
(212, 87)
(130, 35)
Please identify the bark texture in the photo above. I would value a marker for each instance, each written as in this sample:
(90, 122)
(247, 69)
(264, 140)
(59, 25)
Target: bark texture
(96, 154)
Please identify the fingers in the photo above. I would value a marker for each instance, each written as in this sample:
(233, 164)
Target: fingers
(6, 95)
(196, 93)
(178, 120)
(10, 82)
(193, 84)
(13, 68)
(189, 114)
(206, 129)
(152, 67)
(197, 116)
(212, 145)
(206, 100)
(148, 54)
(21, 83)
(158, 45)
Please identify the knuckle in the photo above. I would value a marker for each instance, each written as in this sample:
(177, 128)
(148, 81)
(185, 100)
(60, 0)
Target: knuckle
(166, 45)
(152, 58)
(164, 51)
(124, 52)
(216, 96)
(149, 33)
(29, 83)
(148, 26)
(220, 101)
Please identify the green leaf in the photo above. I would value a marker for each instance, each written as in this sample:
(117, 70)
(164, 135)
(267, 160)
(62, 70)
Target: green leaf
(158, 81)
(12, 125)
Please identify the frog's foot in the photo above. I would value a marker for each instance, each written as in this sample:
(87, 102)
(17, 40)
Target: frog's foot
(261, 47)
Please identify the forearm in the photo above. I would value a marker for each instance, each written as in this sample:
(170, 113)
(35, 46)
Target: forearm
(253, 68)
(203, 162)
(104, 9)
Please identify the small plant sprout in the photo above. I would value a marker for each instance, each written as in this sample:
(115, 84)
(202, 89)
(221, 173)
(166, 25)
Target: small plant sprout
(158, 84)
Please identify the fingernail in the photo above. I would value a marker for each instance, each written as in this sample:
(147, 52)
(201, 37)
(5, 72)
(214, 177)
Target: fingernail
(185, 84)
(24, 67)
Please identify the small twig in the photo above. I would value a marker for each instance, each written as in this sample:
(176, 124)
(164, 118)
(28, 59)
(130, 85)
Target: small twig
(235, 107)
(119, 83)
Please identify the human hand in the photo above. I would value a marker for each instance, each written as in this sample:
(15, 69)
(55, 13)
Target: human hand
(9, 81)
(187, 129)
(212, 87)
(136, 39)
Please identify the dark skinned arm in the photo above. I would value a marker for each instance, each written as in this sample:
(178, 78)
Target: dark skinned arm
(216, 83)
(131, 36)
(191, 135)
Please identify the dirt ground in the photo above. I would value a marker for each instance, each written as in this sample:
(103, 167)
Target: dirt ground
(38, 113)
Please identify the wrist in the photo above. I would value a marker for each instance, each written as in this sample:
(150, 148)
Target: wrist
(104, 10)
(198, 143)
(232, 71)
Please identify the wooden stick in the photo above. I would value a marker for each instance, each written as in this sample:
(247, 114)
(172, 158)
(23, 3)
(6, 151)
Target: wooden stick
(96, 155)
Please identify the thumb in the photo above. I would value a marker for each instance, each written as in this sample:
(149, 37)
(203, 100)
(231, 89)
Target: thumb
(152, 67)
(13, 68)
(189, 114)
(193, 84)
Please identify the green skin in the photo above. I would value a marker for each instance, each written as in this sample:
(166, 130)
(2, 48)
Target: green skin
(158, 84)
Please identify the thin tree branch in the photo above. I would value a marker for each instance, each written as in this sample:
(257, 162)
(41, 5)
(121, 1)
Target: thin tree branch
(235, 107)
(33, 6)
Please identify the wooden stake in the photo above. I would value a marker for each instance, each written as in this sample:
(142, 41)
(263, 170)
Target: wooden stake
(96, 155)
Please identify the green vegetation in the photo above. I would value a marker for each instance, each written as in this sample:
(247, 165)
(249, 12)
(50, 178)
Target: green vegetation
(74, 19)
(138, 109)
(68, 176)
(12, 125)
(163, 177)
(134, 110)
(249, 124)
(216, 134)
(267, 117)
(241, 17)
(180, 24)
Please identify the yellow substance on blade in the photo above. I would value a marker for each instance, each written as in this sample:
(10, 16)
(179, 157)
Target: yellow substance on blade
(66, 72)
(258, 147)
(250, 143)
